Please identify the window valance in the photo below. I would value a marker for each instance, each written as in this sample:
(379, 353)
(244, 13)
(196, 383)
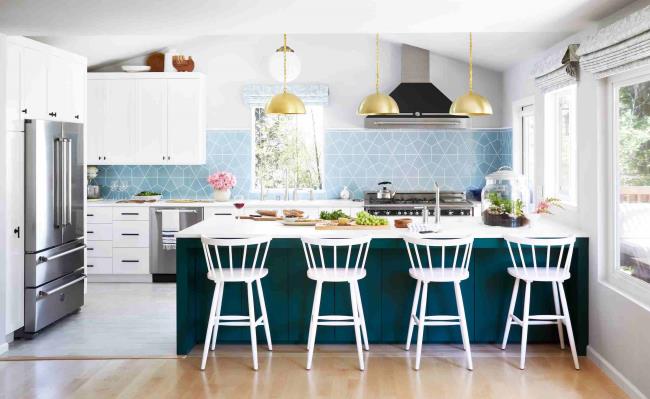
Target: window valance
(260, 94)
(618, 47)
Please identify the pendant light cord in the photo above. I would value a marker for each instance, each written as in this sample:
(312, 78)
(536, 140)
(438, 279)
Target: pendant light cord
(377, 63)
(470, 63)
(284, 53)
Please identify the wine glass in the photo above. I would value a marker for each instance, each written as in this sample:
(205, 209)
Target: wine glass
(238, 202)
(115, 187)
(124, 186)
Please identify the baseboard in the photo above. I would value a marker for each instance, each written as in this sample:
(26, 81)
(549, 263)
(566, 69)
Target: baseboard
(119, 278)
(614, 374)
(3, 348)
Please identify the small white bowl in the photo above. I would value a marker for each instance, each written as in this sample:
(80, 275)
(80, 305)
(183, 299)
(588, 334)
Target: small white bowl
(136, 68)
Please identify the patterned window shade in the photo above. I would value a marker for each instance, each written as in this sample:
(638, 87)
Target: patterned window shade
(259, 94)
(618, 47)
(557, 70)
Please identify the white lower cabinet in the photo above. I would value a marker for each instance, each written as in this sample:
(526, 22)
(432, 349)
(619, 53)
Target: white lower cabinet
(130, 234)
(99, 232)
(99, 265)
(99, 249)
(130, 260)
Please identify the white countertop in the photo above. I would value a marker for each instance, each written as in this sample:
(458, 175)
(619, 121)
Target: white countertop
(257, 204)
(452, 226)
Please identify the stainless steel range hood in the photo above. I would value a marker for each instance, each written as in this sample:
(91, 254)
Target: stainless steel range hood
(422, 105)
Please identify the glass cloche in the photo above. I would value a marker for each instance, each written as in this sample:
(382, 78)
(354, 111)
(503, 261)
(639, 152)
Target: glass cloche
(505, 198)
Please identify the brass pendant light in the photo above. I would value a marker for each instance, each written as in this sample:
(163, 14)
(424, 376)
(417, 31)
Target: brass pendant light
(378, 103)
(285, 103)
(471, 104)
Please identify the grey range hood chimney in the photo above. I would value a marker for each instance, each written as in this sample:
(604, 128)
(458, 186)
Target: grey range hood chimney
(422, 105)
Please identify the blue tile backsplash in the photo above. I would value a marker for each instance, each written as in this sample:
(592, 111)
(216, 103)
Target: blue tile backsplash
(357, 158)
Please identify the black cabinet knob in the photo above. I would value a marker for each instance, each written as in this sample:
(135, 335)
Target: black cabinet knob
(52, 114)
(24, 111)
(17, 231)
(76, 116)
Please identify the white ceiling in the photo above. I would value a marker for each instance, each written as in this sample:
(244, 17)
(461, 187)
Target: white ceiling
(106, 30)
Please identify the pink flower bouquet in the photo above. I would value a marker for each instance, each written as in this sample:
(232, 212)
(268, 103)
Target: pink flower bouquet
(546, 204)
(222, 180)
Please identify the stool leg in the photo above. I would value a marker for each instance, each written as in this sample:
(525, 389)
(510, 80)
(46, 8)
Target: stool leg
(423, 313)
(569, 329)
(251, 316)
(560, 331)
(524, 329)
(463, 324)
(511, 312)
(357, 324)
(414, 309)
(364, 332)
(208, 331)
(216, 319)
(313, 324)
(265, 319)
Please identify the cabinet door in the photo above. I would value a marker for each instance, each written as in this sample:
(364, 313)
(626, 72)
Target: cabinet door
(14, 256)
(14, 118)
(119, 121)
(78, 92)
(96, 122)
(58, 88)
(33, 84)
(185, 121)
(151, 133)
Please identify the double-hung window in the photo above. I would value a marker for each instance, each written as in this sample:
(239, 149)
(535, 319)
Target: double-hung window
(560, 166)
(630, 170)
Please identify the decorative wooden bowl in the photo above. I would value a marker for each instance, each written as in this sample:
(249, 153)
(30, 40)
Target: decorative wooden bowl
(156, 61)
(402, 223)
(183, 63)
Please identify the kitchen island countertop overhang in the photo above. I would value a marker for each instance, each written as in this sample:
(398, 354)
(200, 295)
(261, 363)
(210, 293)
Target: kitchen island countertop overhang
(387, 291)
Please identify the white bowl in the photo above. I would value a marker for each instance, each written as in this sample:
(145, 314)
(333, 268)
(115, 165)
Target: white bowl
(136, 68)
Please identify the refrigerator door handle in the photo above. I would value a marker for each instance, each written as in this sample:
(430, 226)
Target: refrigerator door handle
(64, 286)
(43, 259)
(58, 164)
(64, 183)
(68, 184)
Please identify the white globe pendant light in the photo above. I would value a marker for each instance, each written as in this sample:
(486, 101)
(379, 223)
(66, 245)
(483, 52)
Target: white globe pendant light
(276, 64)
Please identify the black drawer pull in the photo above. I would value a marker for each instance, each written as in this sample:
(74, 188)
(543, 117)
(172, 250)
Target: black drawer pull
(90, 249)
(90, 214)
(90, 265)
(129, 213)
(130, 234)
(222, 214)
(90, 232)
(130, 261)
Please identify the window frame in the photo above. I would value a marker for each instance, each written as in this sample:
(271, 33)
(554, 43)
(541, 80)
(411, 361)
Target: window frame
(275, 191)
(633, 288)
(521, 108)
(552, 147)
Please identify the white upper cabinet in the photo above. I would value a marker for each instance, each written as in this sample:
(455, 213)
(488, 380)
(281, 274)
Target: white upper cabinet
(150, 118)
(50, 83)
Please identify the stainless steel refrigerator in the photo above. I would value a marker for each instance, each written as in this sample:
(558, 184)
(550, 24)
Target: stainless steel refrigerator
(54, 221)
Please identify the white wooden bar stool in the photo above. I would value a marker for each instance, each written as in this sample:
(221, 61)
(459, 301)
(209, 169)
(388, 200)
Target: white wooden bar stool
(325, 264)
(555, 273)
(251, 270)
(424, 271)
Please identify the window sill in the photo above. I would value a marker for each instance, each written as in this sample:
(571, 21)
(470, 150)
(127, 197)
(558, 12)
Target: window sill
(629, 287)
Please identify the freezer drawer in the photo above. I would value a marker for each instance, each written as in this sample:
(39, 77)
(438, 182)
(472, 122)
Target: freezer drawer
(46, 304)
(49, 265)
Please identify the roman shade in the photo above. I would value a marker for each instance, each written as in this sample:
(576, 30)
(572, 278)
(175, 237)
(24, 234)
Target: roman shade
(558, 69)
(260, 94)
(618, 47)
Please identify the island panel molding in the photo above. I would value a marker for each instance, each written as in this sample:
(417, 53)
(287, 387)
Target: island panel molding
(357, 158)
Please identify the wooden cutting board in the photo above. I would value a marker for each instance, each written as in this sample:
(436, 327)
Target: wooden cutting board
(350, 227)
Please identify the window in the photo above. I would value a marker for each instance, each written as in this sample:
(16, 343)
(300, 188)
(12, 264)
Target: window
(561, 155)
(630, 100)
(288, 149)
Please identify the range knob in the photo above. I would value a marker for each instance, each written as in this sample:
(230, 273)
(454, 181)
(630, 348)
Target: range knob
(386, 212)
(399, 213)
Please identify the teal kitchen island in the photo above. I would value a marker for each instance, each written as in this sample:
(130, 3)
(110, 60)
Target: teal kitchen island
(387, 291)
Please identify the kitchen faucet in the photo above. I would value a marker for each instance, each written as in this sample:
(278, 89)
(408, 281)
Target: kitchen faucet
(437, 216)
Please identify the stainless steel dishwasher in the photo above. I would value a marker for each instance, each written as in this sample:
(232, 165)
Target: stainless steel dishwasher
(162, 262)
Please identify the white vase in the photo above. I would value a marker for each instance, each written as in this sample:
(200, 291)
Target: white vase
(221, 195)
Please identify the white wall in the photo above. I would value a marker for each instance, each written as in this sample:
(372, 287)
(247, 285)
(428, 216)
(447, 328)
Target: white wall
(452, 78)
(344, 62)
(618, 326)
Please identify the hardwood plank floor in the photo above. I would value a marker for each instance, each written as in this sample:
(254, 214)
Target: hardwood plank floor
(549, 374)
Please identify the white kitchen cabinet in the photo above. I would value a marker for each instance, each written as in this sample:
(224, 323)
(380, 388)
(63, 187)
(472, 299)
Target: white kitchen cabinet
(131, 261)
(161, 118)
(150, 140)
(15, 244)
(14, 118)
(186, 121)
(33, 84)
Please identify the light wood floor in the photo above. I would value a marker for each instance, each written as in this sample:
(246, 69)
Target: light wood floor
(549, 374)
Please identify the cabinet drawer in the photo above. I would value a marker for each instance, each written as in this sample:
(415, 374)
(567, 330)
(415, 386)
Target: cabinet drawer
(99, 266)
(96, 214)
(220, 212)
(99, 249)
(130, 234)
(131, 261)
(99, 232)
(130, 213)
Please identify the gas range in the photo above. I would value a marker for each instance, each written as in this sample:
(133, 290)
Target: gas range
(452, 203)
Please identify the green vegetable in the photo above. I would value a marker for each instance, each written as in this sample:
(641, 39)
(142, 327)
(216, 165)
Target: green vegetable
(147, 194)
(334, 215)
(366, 219)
